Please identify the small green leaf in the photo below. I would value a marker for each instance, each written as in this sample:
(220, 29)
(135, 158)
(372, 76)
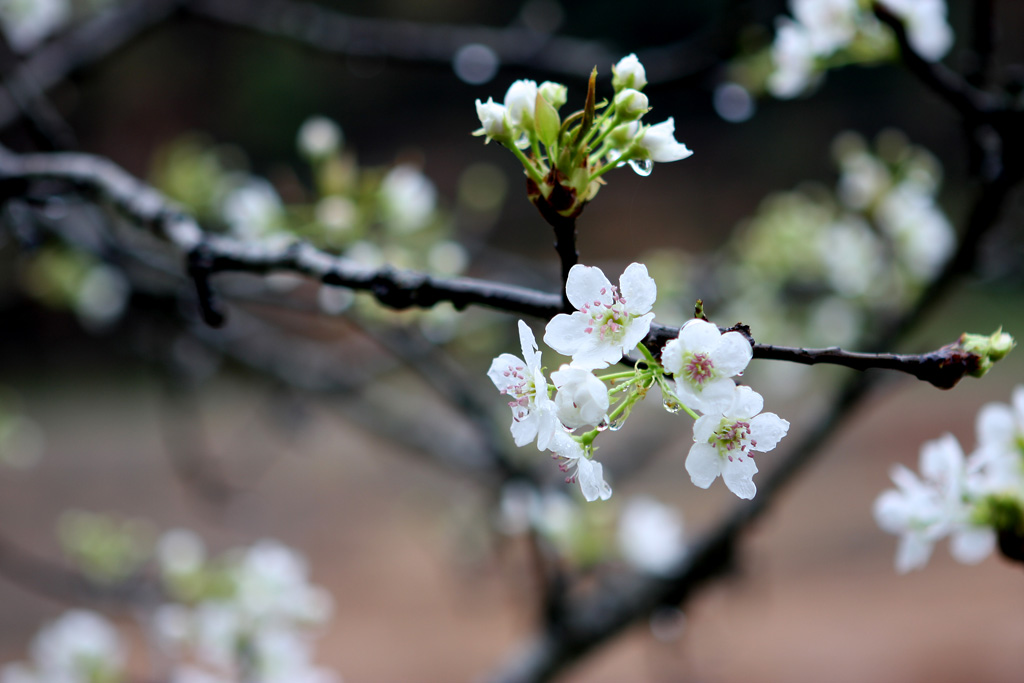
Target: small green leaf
(548, 122)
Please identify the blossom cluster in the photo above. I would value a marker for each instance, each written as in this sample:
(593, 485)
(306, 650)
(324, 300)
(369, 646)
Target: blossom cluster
(823, 33)
(246, 616)
(695, 373)
(569, 156)
(249, 614)
(858, 251)
(368, 215)
(969, 498)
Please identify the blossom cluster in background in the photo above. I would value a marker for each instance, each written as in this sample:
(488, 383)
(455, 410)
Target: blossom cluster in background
(968, 498)
(695, 374)
(250, 614)
(819, 35)
(370, 216)
(826, 266)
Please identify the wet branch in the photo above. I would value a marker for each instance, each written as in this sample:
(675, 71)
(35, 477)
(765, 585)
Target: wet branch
(208, 255)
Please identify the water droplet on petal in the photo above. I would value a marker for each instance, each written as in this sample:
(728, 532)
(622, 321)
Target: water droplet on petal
(642, 167)
(603, 426)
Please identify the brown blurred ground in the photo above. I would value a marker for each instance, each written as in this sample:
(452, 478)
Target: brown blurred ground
(818, 598)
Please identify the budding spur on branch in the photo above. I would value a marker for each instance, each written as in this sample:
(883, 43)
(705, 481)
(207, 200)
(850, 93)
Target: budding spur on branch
(565, 159)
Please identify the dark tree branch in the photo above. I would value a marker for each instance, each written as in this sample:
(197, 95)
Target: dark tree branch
(973, 104)
(208, 255)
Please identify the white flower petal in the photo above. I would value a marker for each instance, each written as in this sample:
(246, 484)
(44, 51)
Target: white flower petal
(745, 403)
(703, 464)
(498, 372)
(767, 429)
(972, 544)
(698, 335)
(591, 476)
(714, 398)
(912, 552)
(584, 285)
(638, 289)
(738, 475)
(732, 355)
(564, 333)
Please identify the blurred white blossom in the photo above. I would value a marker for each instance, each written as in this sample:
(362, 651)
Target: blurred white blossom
(26, 23)
(651, 535)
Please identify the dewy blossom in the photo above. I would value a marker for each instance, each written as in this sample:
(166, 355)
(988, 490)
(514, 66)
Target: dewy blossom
(723, 443)
(658, 143)
(533, 412)
(582, 398)
(609, 321)
(703, 360)
(924, 510)
(573, 460)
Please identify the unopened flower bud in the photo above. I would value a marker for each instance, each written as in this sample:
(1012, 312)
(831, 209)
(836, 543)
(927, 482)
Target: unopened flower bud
(630, 104)
(629, 73)
(492, 118)
(989, 348)
(555, 93)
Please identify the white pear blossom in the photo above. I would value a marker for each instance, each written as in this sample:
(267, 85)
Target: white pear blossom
(651, 536)
(1000, 452)
(928, 30)
(26, 23)
(702, 360)
(79, 646)
(723, 443)
(408, 199)
(533, 412)
(582, 398)
(319, 137)
(658, 143)
(831, 24)
(272, 584)
(494, 119)
(573, 460)
(254, 212)
(853, 255)
(863, 179)
(609, 321)
(793, 56)
(520, 101)
(923, 236)
(629, 73)
(924, 510)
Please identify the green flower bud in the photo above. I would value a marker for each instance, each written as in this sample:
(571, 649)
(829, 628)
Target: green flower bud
(555, 93)
(989, 348)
